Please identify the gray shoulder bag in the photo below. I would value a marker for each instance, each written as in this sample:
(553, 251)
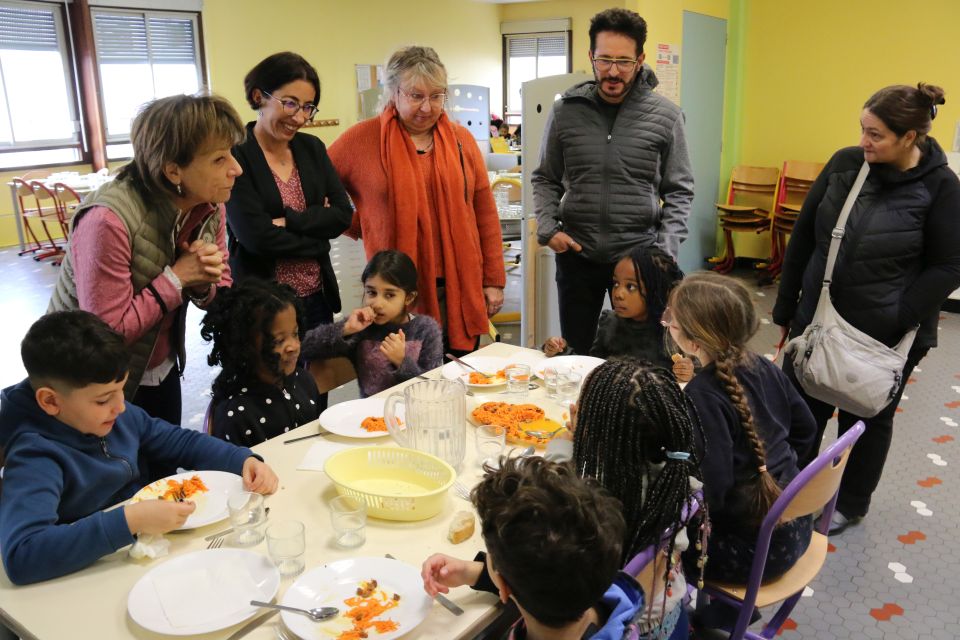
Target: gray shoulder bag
(837, 363)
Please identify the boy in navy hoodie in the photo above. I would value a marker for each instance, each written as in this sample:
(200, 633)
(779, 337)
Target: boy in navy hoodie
(74, 448)
(553, 546)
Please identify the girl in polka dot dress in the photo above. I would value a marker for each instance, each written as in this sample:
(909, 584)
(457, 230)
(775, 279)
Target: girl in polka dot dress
(260, 392)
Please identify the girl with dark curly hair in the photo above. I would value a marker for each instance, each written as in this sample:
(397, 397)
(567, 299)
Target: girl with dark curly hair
(260, 393)
(642, 281)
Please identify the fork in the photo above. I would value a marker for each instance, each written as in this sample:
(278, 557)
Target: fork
(461, 490)
(216, 543)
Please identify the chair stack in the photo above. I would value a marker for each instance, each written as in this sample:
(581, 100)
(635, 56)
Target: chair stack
(795, 181)
(38, 204)
(751, 195)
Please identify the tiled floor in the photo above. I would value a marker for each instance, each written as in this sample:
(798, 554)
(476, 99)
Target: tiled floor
(893, 576)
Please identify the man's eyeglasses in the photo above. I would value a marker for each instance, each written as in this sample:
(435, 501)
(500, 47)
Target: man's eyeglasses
(623, 64)
(291, 106)
(436, 99)
(666, 319)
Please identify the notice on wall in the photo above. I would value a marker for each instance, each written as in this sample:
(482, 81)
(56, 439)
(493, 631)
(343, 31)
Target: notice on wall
(667, 68)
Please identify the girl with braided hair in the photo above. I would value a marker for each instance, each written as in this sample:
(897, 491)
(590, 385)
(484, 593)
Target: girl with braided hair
(756, 424)
(634, 433)
(642, 281)
(260, 393)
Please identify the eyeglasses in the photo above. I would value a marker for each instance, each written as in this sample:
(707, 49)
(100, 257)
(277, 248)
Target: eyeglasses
(666, 319)
(417, 99)
(623, 64)
(291, 106)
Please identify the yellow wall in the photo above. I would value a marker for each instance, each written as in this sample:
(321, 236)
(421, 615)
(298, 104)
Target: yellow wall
(810, 66)
(334, 36)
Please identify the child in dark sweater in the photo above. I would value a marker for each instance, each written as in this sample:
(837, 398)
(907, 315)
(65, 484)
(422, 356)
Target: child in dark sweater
(260, 392)
(74, 449)
(385, 342)
(756, 425)
(642, 281)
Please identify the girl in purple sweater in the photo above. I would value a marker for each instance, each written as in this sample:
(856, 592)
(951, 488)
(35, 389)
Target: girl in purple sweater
(385, 342)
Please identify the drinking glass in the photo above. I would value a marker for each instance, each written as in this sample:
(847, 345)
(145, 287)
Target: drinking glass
(490, 441)
(568, 388)
(246, 516)
(349, 519)
(518, 377)
(550, 375)
(287, 546)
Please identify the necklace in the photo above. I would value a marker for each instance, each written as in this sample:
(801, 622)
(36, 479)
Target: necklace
(426, 148)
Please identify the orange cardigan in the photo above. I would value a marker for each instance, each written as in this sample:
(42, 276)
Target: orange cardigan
(356, 158)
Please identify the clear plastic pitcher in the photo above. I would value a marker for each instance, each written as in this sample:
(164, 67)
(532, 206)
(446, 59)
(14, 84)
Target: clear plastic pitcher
(435, 412)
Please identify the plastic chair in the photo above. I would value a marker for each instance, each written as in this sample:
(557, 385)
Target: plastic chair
(814, 488)
(641, 565)
(751, 195)
(795, 181)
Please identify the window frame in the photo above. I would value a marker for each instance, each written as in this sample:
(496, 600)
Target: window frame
(513, 117)
(65, 46)
(82, 66)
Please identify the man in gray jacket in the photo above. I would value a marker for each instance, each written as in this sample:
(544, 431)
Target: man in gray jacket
(614, 173)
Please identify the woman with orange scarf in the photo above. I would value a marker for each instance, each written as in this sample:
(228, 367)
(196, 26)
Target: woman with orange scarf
(420, 185)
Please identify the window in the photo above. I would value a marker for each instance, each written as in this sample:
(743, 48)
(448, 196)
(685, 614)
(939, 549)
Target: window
(38, 115)
(530, 56)
(141, 57)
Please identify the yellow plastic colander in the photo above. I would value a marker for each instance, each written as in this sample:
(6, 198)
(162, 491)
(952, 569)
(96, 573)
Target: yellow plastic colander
(393, 482)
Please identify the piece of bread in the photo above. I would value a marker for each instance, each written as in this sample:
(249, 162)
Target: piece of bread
(461, 527)
(677, 357)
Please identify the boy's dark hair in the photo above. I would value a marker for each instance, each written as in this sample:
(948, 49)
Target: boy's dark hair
(395, 267)
(73, 349)
(554, 538)
(622, 21)
(233, 320)
(274, 71)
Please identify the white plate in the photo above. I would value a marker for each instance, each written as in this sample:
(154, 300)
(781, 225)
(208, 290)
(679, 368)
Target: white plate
(344, 418)
(576, 364)
(456, 371)
(211, 506)
(331, 584)
(202, 591)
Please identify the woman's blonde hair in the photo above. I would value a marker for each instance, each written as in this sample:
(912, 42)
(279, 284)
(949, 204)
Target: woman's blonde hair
(176, 129)
(416, 63)
(717, 313)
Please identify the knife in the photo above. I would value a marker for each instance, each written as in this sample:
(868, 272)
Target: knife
(449, 604)
(312, 435)
(253, 624)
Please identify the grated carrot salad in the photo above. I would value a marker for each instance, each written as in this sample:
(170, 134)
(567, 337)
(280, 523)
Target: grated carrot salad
(511, 417)
(369, 603)
(478, 378)
(373, 424)
(183, 490)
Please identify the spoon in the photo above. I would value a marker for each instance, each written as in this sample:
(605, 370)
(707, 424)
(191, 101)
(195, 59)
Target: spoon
(321, 613)
(544, 435)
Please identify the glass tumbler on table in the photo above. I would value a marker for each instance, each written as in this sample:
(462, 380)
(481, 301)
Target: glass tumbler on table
(246, 516)
(490, 441)
(518, 379)
(568, 388)
(286, 544)
(551, 374)
(349, 519)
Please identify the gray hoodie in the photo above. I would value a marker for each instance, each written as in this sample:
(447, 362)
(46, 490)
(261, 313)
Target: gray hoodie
(612, 190)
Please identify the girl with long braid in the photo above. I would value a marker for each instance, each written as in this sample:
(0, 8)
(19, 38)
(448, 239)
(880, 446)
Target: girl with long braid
(634, 431)
(756, 424)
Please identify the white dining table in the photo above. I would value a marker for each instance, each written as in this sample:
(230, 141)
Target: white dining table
(92, 603)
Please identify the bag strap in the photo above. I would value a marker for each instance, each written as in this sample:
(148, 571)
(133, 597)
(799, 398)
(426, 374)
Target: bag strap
(838, 230)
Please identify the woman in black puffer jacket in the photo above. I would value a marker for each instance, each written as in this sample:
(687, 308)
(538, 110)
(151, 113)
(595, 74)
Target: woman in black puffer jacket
(899, 259)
